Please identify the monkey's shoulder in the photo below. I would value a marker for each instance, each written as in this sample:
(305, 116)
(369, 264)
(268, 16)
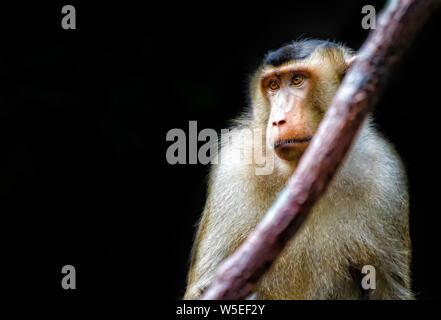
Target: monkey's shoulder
(374, 174)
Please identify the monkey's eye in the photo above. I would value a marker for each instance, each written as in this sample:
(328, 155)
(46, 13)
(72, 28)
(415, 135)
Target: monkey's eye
(274, 85)
(297, 80)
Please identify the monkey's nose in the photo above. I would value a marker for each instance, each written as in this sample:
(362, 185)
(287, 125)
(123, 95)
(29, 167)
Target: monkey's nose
(279, 123)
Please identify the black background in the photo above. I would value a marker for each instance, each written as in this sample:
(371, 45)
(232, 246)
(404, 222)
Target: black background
(83, 119)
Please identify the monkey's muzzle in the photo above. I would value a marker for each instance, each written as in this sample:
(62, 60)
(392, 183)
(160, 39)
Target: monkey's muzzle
(290, 142)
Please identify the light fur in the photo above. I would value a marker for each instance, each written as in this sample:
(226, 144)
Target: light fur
(362, 219)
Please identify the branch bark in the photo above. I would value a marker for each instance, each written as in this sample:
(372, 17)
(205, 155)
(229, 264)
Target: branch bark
(396, 27)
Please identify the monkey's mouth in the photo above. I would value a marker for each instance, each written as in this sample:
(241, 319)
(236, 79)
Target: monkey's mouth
(288, 142)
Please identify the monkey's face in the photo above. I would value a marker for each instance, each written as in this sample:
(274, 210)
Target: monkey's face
(294, 115)
(297, 94)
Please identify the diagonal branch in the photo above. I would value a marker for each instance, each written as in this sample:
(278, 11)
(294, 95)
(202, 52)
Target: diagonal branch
(359, 92)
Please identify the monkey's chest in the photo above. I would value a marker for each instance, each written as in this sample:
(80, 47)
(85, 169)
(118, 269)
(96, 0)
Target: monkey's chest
(310, 263)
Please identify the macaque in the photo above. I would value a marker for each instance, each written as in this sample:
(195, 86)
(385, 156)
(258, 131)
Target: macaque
(362, 218)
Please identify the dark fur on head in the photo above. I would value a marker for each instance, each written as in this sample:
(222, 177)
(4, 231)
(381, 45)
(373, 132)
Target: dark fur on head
(296, 50)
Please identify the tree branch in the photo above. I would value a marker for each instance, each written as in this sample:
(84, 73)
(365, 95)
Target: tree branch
(359, 92)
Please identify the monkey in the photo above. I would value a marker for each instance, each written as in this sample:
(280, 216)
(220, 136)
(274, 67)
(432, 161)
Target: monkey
(362, 219)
